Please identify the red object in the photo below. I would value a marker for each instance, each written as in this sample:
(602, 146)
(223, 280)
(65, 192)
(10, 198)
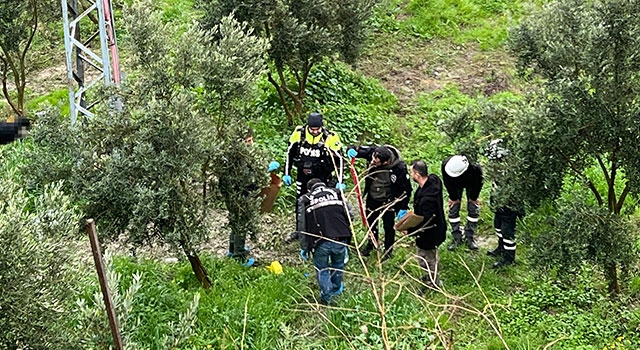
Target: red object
(363, 215)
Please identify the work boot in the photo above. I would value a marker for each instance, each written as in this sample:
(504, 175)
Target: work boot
(471, 243)
(496, 252)
(454, 244)
(502, 263)
(387, 255)
(366, 251)
(508, 258)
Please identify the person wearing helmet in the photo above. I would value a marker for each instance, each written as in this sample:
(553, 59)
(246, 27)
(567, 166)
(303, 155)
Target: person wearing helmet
(460, 175)
(315, 152)
(506, 205)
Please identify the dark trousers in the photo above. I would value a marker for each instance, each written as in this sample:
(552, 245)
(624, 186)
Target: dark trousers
(504, 222)
(374, 215)
(473, 215)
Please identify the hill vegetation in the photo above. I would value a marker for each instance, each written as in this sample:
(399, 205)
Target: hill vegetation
(433, 78)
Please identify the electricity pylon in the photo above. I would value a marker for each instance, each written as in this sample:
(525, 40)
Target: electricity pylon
(89, 61)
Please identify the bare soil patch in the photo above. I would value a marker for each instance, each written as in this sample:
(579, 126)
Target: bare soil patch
(411, 66)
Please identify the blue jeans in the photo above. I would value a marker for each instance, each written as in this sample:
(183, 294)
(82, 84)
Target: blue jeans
(329, 278)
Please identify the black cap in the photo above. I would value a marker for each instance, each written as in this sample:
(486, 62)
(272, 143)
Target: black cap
(315, 120)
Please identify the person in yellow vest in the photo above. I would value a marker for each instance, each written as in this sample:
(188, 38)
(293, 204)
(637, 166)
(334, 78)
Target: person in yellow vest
(315, 152)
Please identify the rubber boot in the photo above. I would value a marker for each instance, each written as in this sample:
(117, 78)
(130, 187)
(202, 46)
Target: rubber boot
(508, 258)
(499, 249)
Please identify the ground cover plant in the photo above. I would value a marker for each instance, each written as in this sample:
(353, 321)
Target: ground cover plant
(163, 305)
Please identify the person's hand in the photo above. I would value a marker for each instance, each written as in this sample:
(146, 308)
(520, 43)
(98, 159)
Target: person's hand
(304, 254)
(273, 166)
(351, 153)
(340, 186)
(401, 214)
(476, 202)
(452, 203)
(287, 180)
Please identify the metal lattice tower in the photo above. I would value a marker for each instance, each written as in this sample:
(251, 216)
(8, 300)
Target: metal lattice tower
(89, 61)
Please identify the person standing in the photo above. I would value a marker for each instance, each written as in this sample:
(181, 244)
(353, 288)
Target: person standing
(327, 234)
(240, 192)
(315, 152)
(431, 232)
(505, 203)
(387, 190)
(459, 175)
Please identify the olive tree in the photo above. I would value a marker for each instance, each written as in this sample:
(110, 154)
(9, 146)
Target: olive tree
(301, 34)
(583, 125)
(39, 268)
(141, 171)
(19, 23)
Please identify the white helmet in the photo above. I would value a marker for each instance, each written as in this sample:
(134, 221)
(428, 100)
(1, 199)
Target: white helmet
(456, 166)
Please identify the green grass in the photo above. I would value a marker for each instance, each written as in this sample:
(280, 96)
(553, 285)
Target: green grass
(483, 21)
(261, 310)
(57, 98)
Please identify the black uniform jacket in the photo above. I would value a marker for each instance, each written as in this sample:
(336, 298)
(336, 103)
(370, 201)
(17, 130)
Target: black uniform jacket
(325, 216)
(470, 180)
(427, 202)
(402, 184)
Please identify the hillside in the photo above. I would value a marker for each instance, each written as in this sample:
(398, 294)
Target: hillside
(431, 76)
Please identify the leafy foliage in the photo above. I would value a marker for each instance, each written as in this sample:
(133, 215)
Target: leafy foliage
(144, 171)
(19, 21)
(38, 275)
(301, 34)
(587, 116)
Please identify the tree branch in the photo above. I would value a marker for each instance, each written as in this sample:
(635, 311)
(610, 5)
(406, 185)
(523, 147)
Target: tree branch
(282, 97)
(590, 184)
(623, 196)
(7, 61)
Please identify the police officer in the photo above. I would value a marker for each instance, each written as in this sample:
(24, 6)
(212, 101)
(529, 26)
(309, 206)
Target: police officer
(459, 175)
(316, 153)
(387, 190)
(327, 234)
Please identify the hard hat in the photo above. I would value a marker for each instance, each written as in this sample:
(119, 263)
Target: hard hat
(456, 166)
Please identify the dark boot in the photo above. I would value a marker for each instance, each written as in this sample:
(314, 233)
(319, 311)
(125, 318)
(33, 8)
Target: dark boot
(455, 243)
(471, 243)
(366, 251)
(498, 251)
(508, 258)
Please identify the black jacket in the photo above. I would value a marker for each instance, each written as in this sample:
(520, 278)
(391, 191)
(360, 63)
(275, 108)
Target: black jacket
(325, 216)
(428, 202)
(401, 184)
(471, 181)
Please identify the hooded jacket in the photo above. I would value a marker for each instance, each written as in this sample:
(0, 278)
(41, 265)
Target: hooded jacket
(396, 170)
(471, 180)
(428, 202)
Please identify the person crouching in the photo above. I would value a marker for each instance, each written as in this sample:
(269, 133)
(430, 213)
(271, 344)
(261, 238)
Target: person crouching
(327, 234)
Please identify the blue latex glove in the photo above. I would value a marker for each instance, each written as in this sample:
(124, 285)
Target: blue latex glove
(340, 186)
(287, 180)
(273, 166)
(401, 214)
(304, 254)
(352, 153)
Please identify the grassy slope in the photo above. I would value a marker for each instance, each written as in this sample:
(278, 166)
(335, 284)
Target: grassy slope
(418, 56)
